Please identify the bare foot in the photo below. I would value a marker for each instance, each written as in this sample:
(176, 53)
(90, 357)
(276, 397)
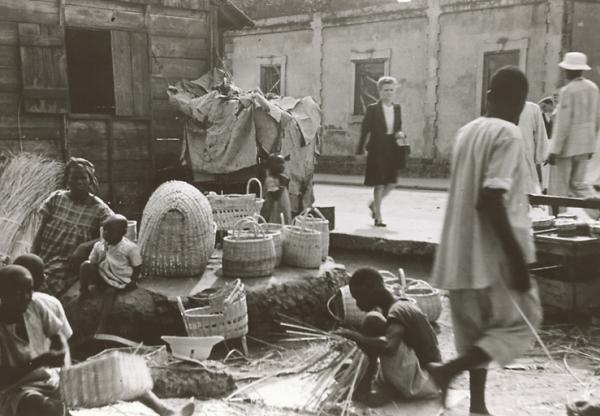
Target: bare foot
(441, 378)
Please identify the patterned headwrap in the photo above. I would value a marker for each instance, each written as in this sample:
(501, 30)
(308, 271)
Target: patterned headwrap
(88, 167)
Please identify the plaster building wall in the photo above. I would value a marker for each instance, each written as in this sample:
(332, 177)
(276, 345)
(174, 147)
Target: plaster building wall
(585, 21)
(401, 42)
(465, 37)
(293, 46)
(436, 50)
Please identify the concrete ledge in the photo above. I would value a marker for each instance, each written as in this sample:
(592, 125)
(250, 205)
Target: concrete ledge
(382, 245)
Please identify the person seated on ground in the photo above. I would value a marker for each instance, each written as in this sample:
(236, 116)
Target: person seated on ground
(70, 226)
(277, 196)
(31, 345)
(114, 264)
(404, 351)
(32, 348)
(35, 265)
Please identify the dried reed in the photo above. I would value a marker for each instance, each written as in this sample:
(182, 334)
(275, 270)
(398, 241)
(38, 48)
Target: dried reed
(26, 179)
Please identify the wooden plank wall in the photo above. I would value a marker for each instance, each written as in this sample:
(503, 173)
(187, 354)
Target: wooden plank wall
(120, 146)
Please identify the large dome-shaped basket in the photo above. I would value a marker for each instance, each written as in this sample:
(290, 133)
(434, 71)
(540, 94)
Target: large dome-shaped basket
(177, 234)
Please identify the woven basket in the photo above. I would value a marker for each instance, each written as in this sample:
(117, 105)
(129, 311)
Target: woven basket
(248, 251)
(316, 222)
(105, 380)
(177, 234)
(276, 231)
(229, 209)
(428, 300)
(226, 314)
(301, 247)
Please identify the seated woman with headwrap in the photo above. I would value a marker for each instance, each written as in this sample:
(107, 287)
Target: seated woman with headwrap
(70, 225)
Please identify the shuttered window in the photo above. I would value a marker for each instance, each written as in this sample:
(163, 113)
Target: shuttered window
(270, 79)
(101, 71)
(43, 68)
(131, 72)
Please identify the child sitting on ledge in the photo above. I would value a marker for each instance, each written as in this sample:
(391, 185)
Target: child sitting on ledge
(114, 264)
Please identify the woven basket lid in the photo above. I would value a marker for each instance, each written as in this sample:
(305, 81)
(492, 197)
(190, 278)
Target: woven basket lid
(177, 232)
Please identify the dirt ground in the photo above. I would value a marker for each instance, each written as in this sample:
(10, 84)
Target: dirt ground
(531, 386)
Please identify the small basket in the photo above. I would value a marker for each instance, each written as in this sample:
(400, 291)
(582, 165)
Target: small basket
(318, 223)
(105, 380)
(248, 253)
(276, 231)
(226, 314)
(428, 300)
(229, 209)
(301, 247)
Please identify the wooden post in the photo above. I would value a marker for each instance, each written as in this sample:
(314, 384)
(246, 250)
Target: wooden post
(109, 161)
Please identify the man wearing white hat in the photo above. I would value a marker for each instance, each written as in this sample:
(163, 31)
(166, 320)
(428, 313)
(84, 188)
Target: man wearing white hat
(574, 131)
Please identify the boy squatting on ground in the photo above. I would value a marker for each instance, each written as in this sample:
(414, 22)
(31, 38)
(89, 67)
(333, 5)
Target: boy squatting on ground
(399, 338)
(114, 264)
(486, 242)
(32, 346)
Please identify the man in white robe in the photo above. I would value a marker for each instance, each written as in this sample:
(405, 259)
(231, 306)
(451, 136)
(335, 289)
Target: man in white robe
(531, 123)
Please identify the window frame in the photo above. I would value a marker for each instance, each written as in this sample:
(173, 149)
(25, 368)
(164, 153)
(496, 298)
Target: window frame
(361, 56)
(281, 61)
(265, 67)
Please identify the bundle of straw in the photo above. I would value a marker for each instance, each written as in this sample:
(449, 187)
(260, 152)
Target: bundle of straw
(26, 179)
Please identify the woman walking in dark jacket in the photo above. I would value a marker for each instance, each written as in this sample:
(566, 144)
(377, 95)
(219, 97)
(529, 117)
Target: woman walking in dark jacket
(386, 148)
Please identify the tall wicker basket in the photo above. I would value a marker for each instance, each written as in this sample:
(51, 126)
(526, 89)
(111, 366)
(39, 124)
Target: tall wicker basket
(312, 218)
(177, 234)
(229, 209)
(105, 380)
(226, 314)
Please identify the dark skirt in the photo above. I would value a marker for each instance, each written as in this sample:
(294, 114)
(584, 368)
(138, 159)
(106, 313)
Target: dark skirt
(384, 159)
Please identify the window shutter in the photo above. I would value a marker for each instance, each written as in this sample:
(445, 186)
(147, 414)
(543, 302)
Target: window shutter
(43, 68)
(131, 73)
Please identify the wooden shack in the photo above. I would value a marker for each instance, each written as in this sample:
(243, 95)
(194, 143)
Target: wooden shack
(88, 78)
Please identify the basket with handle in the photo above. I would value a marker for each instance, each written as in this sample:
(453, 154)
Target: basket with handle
(427, 297)
(104, 380)
(248, 251)
(301, 247)
(276, 231)
(226, 314)
(313, 218)
(230, 208)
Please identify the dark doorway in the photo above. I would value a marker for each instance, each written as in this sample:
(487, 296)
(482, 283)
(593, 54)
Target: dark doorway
(493, 61)
(90, 71)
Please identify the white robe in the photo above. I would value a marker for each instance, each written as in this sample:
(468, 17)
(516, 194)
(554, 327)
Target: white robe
(531, 123)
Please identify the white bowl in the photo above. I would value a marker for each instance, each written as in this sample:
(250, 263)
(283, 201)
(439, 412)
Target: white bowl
(196, 348)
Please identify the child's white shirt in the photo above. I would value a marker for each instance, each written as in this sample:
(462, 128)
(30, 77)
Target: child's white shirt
(116, 262)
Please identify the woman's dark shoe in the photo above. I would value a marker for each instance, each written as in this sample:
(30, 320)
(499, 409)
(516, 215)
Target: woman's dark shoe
(379, 223)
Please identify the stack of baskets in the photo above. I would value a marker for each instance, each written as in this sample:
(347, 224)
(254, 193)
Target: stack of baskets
(177, 234)
(312, 218)
(248, 251)
(226, 313)
(228, 209)
(104, 380)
